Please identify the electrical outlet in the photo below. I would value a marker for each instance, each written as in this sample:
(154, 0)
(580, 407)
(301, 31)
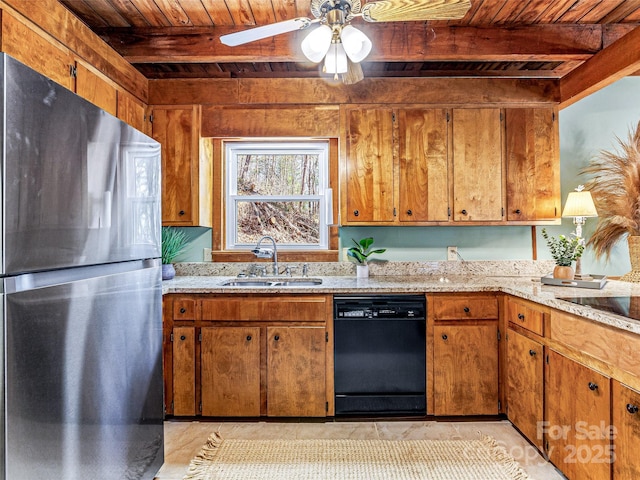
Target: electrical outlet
(206, 255)
(452, 253)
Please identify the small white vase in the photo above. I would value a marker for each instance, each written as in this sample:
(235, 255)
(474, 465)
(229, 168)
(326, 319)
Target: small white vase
(362, 271)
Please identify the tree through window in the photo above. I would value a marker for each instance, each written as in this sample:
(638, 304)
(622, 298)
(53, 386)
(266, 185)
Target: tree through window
(277, 189)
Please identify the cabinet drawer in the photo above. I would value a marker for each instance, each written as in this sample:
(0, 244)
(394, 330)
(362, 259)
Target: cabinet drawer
(465, 308)
(184, 309)
(525, 317)
(297, 309)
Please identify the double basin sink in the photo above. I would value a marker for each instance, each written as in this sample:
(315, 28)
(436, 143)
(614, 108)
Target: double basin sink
(273, 282)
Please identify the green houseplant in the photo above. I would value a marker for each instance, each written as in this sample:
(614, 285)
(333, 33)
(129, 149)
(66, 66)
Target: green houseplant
(360, 252)
(174, 242)
(564, 251)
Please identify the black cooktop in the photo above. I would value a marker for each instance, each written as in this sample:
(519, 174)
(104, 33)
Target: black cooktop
(626, 306)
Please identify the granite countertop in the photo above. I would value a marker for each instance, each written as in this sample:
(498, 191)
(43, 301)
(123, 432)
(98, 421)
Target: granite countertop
(526, 284)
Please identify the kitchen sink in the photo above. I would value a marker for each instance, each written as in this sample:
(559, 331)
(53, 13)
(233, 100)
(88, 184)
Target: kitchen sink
(273, 282)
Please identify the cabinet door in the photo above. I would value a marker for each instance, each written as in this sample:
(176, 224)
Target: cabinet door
(95, 89)
(477, 165)
(184, 371)
(578, 419)
(525, 374)
(296, 372)
(626, 436)
(533, 164)
(175, 129)
(230, 366)
(131, 110)
(423, 190)
(466, 369)
(369, 166)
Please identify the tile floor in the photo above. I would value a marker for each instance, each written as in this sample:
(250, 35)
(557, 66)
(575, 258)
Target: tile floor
(183, 439)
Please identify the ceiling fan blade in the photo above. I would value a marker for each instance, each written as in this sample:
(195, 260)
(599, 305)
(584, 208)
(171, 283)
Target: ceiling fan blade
(409, 10)
(258, 33)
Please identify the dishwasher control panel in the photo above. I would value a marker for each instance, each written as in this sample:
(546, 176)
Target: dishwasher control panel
(380, 306)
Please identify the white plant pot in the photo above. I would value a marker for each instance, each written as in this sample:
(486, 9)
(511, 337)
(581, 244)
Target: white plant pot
(362, 271)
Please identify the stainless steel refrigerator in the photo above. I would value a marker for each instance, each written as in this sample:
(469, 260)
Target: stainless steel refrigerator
(82, 393)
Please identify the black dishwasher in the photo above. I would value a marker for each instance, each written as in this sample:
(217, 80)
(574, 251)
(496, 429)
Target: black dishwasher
(380, 355)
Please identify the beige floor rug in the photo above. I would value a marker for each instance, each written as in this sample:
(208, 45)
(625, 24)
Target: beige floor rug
(353, 460)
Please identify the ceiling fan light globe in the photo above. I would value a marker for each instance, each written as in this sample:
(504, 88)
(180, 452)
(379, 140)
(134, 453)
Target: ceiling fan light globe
(316, 44)
(336, 60)
(356, 44)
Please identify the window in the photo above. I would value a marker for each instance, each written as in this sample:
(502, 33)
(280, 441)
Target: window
(278, 189)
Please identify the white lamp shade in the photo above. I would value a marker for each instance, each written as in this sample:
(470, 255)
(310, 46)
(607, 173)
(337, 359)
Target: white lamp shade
(579, 204)
(356, 44)
(336, 59)
(316, 44)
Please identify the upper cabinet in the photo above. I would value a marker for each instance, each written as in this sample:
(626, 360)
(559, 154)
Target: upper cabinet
(477, 165)
(187, 161)
(533, 164)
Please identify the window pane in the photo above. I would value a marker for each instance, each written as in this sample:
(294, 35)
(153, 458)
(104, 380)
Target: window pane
(277, 174)
(292, 223)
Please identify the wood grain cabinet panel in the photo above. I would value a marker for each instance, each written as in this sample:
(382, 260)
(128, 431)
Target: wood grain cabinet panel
(465, 308)
(525, 386)
(533, 164)
(184, 371)
(626, 434)
(95, 89)
(477, 165)
(466, 369)
(424, 183)
(131, 110)
(296, 366)
(230, 366)
(369, 166)
(525, 316)
(578, 419)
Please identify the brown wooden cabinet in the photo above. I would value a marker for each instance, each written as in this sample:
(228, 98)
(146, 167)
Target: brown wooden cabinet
(477, 165)
(525, 385)
(465, 355)
(625, 406)
(533, 164)
(187, 175)
(578, 418)
(238, 355)
(95, 89)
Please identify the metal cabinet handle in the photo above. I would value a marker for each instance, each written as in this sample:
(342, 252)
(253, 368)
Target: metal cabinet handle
(182, 337)
(593, 386)
(466, 309)
(183, 310)
(276, 338)
(464, 212)
(521, 317)
(444, 336)
(248, 338)
(532, 353)
(356, 213)
(409, 212)
(181, 212)
(632, 409)
(518, 211)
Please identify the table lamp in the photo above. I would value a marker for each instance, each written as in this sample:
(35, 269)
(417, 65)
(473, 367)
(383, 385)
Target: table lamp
(580, 205)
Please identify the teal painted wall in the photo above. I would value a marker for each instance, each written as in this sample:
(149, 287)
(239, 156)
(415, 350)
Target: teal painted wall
(586, 127)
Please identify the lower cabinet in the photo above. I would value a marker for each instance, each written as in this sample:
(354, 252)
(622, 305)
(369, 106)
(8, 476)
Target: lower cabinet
(578, 419)
(466, 369)
(184, 370)
(525, 385)
(626, 432)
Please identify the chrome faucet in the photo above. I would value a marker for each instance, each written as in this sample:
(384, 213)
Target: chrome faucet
(267, 253)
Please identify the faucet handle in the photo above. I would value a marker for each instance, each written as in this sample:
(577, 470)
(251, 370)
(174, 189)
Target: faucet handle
(261, 271)
(305, 270)
(287, 271)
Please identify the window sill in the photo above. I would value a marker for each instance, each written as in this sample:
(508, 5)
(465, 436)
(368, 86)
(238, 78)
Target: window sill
(283, 256)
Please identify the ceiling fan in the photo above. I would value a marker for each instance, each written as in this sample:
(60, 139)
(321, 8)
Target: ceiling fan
(341, 45)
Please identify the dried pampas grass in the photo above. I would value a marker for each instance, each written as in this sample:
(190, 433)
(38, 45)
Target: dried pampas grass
(614, 183)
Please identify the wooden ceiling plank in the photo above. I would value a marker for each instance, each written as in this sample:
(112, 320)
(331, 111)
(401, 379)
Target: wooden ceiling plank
(557, 42)
(580, 10)
(598, 12)
(286, 10)
(534, 10)
(218, 12)
(509, 13)
(107, 11)
(174, 12)
(486, 12)
(241, 12)
(132, 14)
(620, 59)
(197, 13)
(621, 12)
(82, 10)
(263, 12)
(556, 9)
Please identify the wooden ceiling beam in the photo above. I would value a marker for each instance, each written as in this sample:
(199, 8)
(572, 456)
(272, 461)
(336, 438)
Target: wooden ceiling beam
(620, 59)
(393, 42)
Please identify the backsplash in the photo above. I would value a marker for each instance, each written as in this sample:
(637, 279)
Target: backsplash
(515, 268)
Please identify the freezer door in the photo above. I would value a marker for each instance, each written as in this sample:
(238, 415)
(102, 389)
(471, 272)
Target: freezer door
(80, 187)
(84, 395)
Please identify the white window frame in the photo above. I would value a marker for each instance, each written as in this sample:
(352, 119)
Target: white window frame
(285, 147)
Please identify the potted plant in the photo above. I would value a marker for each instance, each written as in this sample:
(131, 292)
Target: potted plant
(174, 242)
(615, 186)
(564, 251)
(361, 253)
